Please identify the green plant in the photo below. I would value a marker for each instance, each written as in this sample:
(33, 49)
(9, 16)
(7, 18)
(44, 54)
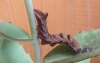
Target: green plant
(12, 52)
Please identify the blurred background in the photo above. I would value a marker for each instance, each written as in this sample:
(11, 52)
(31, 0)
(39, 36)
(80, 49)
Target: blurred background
(65, 16)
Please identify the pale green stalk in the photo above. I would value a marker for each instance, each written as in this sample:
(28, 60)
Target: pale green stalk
(35, 43)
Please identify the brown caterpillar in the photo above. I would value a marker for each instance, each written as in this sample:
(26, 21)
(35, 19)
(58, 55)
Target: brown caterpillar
(53, 39)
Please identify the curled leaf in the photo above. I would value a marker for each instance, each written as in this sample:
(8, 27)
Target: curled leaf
(12, 32)
(54, 39)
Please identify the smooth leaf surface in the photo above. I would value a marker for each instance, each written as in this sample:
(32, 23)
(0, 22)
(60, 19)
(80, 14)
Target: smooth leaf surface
(12, 52)
(10, 31)
(84, 61)
(90, 42)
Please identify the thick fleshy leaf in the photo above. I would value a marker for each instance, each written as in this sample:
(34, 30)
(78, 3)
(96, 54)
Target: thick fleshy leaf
(84, 61)
(12, 32)
(90, 42)
(12, 52)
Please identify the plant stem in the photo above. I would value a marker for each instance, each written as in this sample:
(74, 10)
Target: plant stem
(32, 22)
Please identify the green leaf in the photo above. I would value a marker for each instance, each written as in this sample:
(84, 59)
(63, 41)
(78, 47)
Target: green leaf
(12, 32)
(12, 52)
(84, 61)
(90, 42)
